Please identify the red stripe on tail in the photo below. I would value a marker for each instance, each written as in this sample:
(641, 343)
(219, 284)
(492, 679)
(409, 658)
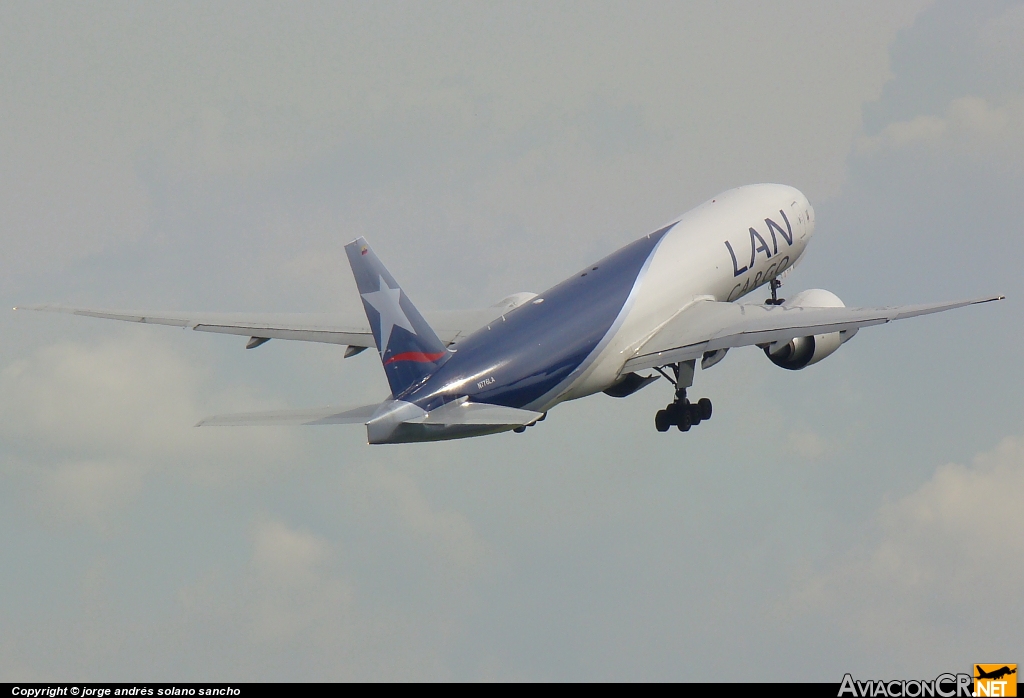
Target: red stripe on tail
(417, 356)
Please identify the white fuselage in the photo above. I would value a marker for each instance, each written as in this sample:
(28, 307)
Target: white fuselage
(723, 249)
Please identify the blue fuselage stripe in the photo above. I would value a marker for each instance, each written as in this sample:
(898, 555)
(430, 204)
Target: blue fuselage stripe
(529, 353)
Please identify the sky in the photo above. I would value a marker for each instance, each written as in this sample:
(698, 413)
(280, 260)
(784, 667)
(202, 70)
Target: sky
(857, 516)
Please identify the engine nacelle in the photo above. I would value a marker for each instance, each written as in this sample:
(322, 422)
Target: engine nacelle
(801, 352)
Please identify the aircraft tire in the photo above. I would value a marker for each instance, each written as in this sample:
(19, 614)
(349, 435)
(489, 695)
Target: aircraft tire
(684, 420)
(662, 420)
(705, 408)
(695, 414)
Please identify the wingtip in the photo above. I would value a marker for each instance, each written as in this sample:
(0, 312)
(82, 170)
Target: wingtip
(40, 306)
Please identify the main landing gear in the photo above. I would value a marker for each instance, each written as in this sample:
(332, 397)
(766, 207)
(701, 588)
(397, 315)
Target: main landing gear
(775, 300)
(682, 413)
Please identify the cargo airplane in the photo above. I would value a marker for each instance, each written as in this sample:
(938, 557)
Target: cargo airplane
(652, 309)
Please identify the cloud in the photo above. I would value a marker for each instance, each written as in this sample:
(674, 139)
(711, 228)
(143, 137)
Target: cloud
(969, 126)
(295, 608)
(247, 146)
(87, 422)
(290, 587)
(89, 490)
(940, 575)
(557, 118)
(456, 545)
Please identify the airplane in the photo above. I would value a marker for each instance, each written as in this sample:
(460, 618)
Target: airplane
(649, 310)
(995, 674)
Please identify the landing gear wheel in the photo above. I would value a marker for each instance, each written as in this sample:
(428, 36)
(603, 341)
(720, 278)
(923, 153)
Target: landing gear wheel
(684, 420)
(662, 420)
(704, 406)
(519, 430)
(695, 414)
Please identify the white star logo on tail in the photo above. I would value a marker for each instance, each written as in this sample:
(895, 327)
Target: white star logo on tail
(386, 302)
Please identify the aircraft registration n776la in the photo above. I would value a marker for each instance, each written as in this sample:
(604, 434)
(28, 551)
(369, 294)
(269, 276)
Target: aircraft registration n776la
(651, 309)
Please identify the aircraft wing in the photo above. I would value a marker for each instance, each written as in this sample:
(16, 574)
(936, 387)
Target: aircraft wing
(334, 328)
(709, 325)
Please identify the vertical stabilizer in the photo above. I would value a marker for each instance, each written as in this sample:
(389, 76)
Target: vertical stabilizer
(408, 347)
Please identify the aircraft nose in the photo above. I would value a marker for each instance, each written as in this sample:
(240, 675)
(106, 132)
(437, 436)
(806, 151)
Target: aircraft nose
(810, 217)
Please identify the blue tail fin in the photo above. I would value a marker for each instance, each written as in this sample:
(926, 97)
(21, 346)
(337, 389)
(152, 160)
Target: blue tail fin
(409, 348)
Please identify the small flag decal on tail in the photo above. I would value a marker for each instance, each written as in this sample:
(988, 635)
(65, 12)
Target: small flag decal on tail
(364, 250)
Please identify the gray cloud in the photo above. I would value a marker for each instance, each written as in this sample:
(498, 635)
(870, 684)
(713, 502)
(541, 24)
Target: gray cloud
(938, 574)
(85, 425)
(219, 157)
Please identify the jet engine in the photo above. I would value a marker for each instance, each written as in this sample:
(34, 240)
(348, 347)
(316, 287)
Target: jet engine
(801, 352)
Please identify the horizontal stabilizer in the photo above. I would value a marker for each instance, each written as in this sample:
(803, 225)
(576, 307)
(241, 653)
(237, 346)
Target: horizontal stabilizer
(474, 413)
(309, 416)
